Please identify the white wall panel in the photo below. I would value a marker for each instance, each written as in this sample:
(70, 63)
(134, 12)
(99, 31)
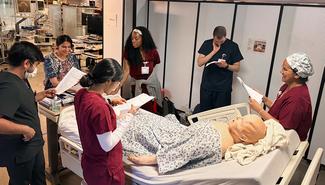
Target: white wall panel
(254, 22)
(282, 49)
(128, 16)
(113, 17)
(142, 12)
(157, 28)
(318, 134)
(211, 15)
(179, 59)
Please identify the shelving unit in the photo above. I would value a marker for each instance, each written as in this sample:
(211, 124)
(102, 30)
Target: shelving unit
(2, 53)
(5, 41)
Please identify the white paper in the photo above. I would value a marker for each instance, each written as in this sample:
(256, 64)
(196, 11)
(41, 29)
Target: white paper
(214, 62)
(137, 101)
(251, 92)
(69, 80)
(76, 88)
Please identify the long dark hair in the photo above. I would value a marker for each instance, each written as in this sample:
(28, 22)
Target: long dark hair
(105, 70)
(133, 54)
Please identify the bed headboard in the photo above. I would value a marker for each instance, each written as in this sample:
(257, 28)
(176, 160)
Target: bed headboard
(223, 114)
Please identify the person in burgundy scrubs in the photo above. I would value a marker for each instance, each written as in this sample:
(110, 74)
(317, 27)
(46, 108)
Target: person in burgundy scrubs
(292, 106)
(139, 60)
(100, 131)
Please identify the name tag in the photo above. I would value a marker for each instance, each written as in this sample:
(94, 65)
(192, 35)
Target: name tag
(145, 70)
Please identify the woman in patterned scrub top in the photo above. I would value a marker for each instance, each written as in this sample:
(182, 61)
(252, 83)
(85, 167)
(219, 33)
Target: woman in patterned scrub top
(59, 62)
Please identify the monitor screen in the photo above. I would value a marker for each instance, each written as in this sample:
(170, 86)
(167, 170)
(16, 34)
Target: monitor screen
(24, 6)
(40, 5)
(84, 17)
(95, 24)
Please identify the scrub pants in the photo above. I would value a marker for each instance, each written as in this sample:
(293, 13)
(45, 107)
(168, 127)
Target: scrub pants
(30, 172)
(212, 99)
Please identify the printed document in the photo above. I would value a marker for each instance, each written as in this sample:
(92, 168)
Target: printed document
(137, 101)
(213, 62)
(251, 92)
(69, 80)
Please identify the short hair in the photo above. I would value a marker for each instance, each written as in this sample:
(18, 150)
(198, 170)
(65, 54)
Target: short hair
(23, 50)
(63, 38)
(219, 31)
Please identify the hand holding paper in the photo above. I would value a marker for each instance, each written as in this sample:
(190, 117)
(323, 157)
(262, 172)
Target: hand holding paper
(69, 80)
(136, 102)
(251, 92)
(214, 62)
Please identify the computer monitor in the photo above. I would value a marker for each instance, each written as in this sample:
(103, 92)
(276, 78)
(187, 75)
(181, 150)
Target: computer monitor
(95, 25)
(84, 18)
(23, 6)
(40, 5)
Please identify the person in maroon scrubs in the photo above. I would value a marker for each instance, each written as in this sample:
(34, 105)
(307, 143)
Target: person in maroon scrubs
(100, 132)
(292, 107)
(139, 60)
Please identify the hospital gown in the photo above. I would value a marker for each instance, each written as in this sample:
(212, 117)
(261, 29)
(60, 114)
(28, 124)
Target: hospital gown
(174, 145)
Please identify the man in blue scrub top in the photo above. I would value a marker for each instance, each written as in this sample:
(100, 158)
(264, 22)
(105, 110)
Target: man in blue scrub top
(216, 85)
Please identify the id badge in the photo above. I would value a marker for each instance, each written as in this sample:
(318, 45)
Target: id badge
(145, 70)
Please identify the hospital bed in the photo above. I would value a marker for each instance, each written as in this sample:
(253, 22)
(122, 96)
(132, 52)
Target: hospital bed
(277, 167)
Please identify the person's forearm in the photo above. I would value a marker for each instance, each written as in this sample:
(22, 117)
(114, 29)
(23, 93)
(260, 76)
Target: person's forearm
(109, 140)
(268, 102)
(203, 60)
(125, 77)
(234, 68)
(265, 115)
(39, 96)
(126, 72)
(9, 127)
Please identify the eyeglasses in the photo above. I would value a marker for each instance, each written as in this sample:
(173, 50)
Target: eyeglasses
(36, 63)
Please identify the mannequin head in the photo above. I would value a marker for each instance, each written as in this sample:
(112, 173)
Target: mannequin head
(247, 129)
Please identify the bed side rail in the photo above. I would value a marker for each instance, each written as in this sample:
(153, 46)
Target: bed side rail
(71, 148)
(223, 114)
(293, 164)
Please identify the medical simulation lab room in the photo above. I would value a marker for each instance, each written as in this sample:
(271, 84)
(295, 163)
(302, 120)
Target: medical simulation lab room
(147, 92)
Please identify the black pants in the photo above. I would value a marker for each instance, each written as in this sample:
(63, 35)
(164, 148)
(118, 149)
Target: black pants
(31, 172)
(211, 99)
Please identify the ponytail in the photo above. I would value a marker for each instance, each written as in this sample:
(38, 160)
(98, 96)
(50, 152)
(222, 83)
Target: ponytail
(86, 81)
(105, 70)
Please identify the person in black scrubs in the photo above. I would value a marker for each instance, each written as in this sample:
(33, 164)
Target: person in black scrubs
(21, 140)
(220, 57)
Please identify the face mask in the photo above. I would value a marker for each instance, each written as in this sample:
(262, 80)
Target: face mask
(31, 74)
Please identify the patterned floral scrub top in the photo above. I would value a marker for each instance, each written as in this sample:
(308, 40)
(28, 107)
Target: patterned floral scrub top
(54, 67)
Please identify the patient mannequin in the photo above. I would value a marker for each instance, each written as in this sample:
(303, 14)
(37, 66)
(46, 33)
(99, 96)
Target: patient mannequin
(247, 130)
